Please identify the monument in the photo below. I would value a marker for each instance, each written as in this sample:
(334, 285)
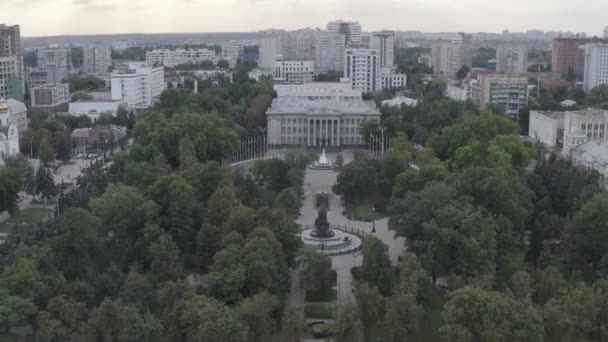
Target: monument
(321, 229)
(327, 240)
(322, 164)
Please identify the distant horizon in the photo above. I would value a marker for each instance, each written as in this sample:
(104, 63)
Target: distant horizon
(50, 18)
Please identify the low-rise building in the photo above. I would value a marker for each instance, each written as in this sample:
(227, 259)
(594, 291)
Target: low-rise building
(99, 138)
(548, 128)
(510, 92)
(94, 109)
(257, 74)
(50, 95)
(294, 71)
(400, 101)
(592, 156)
(36, 77)
(17, 114)
(232, 50)
(173, 58)
(390, 79)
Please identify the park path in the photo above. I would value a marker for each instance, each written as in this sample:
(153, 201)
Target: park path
(322, 181)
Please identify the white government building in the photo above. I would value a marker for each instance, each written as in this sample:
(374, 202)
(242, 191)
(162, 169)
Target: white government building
(138, 87)
(319, 114)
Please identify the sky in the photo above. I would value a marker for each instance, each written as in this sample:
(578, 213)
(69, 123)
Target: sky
(57, 17)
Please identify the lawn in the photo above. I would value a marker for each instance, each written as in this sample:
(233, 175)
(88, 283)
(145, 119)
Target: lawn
(363, 210)
(26, 217)
(324, 310)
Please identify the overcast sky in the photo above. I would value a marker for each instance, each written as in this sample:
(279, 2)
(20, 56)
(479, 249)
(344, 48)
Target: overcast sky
(53, 17)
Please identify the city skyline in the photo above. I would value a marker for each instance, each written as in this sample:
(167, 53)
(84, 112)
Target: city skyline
(75, 17)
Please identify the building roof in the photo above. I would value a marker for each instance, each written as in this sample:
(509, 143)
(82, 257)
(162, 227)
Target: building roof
(15, 106)
(551, 114)
(398, 101)
(593, 154)
(289, 105)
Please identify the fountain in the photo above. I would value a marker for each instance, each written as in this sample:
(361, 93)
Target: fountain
(322, 164)
(327, 240)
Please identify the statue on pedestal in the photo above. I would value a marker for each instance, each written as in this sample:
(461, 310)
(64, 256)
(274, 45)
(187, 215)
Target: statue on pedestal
(322, 230)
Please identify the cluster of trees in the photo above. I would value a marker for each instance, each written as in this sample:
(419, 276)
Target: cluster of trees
(113, 264)
(204, 65)
(48, 139)
(133, 53)
(243, 101)
(84, 82)
(406, 60)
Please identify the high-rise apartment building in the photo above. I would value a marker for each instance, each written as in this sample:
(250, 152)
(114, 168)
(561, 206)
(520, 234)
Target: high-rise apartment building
(606, 32)
(173, 58)
(139, 88)
(384, 42)
(350, 29)
(594, 65)
(299, 45)
(447, 58)
(271, 47)
(55, 58)
(565, 54)
(12, 80)
(97, 59)
(511, 59)
(362, 68)
(329, 51)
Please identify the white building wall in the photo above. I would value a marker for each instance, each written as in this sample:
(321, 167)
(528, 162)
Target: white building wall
(595, 69)
(362, 67)
(294, 71)
(511, 59)
(97, 59)
(384, 42)
(544, 127)
(139, 88)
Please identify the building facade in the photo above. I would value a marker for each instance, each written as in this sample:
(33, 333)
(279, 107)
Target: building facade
(50, 95)
(12, 79)
(384, 42)
(299, 45)
(565, 54)
(361, 66)
(233, 50)
(389, 79)
(329, 51)
(350, 29)
(35, 77)
(17, 113)
(173, 58)
(97, 59)
(294, 71)
(271, 47)
(54, 58)
(139, 87)
(319, 114)
(594, 65)
(94, 109)
(510, 92)
(446, 58)
(548, 128)
(511, 59)
(9, 135)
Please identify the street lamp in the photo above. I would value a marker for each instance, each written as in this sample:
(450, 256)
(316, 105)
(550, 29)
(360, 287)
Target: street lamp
(373, 220)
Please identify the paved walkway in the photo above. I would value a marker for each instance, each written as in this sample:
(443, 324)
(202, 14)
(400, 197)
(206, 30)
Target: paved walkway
(322, 181)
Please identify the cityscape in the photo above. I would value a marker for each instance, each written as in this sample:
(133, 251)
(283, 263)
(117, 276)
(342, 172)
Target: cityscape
(349, 182)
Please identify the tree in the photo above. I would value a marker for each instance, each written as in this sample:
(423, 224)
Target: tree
(315, 270)
(62, 145)
(339, 161)
(570, 315)
(598, 96)
(292, 325)
(348, 326)
(220, 205)
(165, 263)
(289, 200)
(258, 314)
(473, 314)
(223, 64)
(590, 229)
(46, 152)
(14, 310)
(187, 153)
(10, 185)
(376, 268)
(371, 307)
(206, 319)
(462, 72)
(241, 220)
(45, 184)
